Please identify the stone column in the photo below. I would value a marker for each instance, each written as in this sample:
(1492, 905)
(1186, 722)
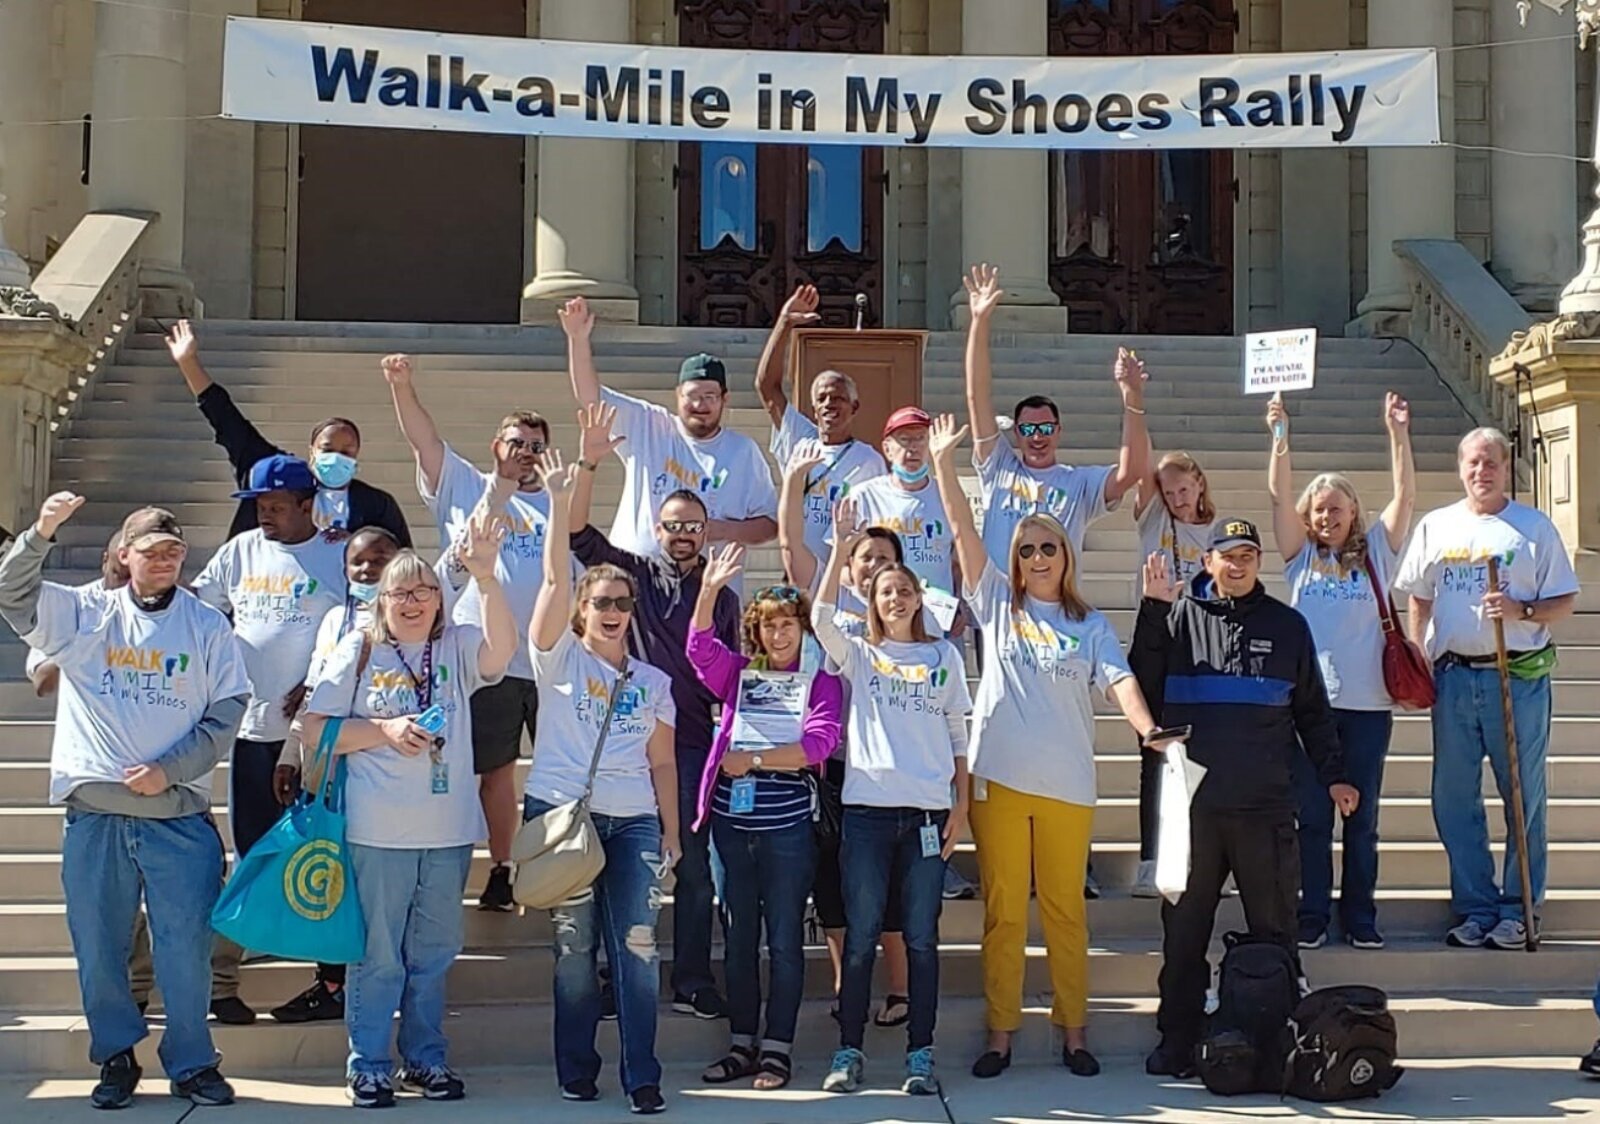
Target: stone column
(583, 233)
(1532, 205)
(137, 158)
(1411, 192)
(1005, 194)
(24, 75)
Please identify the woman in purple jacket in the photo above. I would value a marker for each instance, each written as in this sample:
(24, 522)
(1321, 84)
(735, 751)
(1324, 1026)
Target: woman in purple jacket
(759, 798)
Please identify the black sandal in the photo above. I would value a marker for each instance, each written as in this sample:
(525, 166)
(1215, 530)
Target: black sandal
(740, 1062)
(773, 1064)
(893, 1001)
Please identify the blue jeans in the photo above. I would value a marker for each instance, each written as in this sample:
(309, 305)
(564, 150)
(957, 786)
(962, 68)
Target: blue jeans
(622, 911)
(107, 864)
(412, 903)
(1364, 737)
(693, 898)
(1467, 724)
(766, 879)
(876, 842)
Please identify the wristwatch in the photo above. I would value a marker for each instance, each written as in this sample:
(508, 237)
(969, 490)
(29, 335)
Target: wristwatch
(755, 762)
(588, 466)
(1528, 608)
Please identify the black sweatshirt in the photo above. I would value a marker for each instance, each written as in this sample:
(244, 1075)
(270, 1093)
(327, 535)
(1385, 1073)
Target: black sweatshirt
(1244, 673)
(245, 445)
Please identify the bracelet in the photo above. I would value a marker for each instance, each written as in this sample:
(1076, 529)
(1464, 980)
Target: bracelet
(1134, 409)
(588, 466)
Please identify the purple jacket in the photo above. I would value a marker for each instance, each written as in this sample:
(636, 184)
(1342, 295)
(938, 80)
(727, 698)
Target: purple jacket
(719, 668)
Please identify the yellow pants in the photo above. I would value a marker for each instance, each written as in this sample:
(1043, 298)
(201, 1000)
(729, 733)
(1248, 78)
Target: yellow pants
(1025, 840)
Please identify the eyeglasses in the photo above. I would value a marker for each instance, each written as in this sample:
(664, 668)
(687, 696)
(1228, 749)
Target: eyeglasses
(419, 596)
(518, 445)
(623, 604)
(683, 526)
(1049, 550)
(1037, 429)
(779, 593)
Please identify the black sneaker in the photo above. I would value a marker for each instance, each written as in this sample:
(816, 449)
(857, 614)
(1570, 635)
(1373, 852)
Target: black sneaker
(703, 1004)
(608, 1002)
(206, 1087)
(313, 1005)
(646, 1100)
(1170, 1060)
(119, 1077)
(583, 1089)
(1589, 1063)
(371, 1090)
(496, 896)
(232, 1011)
(434, 1082)
(1311, 934)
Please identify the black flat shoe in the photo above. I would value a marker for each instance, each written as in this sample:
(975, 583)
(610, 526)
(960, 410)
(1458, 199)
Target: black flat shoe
(1080, 1062)
(992, 1064)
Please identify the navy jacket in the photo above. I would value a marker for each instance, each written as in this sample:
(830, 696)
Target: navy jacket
(1244, 673)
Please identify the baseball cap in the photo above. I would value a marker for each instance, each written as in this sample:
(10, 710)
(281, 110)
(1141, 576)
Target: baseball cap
(703, 366)
(1229, 533)
(149, 526)
(278, 473)
(906, 417)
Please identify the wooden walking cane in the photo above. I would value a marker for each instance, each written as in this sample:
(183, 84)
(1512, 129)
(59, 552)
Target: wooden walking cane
(1519, 821)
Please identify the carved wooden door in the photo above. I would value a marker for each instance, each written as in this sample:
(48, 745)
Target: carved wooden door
(755, 220)
(1143, 241)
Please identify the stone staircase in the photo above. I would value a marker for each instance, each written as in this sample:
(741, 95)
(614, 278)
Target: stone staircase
(140, 439)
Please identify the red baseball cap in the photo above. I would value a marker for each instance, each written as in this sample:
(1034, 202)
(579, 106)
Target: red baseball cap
(906, 417)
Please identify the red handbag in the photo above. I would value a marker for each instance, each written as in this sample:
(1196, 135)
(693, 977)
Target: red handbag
(1407, 674)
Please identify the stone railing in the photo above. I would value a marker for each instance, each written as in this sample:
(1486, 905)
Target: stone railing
(52, 341)
(1461, 319)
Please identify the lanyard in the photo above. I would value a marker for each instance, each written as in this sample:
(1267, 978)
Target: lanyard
(813, 481)
(349, 618)
(424, 685)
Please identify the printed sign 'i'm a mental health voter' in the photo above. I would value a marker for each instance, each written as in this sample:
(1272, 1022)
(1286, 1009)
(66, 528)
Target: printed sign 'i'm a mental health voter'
(1278, 361)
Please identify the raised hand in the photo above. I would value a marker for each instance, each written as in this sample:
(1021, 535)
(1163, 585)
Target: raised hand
(800, 309)
(1396, 414)
(1277, 418)
(56, 510)
(1159, 583)
(944, 436)
(397, 369)
(576, 319)
(480, 544)
(723, 566)
(847, 521)
(558, 478)
(983, 290)
(807, 454)
(595, 442)
(1128, 370)
(181, 342)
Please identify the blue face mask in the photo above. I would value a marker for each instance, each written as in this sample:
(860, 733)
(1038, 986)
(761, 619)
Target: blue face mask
(916, 477)
(364, 592)
(333, 470)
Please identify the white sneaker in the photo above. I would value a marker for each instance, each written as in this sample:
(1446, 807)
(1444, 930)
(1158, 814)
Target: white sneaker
(1144, 882)
(1468, 934)
(1509, 935)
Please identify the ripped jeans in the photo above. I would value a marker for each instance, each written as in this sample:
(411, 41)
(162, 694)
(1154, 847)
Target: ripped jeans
(622, 912)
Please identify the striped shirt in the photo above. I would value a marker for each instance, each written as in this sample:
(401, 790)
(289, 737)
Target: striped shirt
(782, 800)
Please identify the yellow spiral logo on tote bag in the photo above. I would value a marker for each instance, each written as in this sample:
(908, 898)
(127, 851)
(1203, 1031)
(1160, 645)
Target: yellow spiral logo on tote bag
(313, 879)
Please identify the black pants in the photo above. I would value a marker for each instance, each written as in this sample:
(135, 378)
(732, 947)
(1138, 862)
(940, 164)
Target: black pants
(1152, 685)
(1262, 851)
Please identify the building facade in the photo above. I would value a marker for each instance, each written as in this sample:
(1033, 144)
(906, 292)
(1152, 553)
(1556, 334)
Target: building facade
(114, 106)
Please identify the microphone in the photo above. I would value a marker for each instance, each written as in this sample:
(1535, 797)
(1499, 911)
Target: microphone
(861, 309)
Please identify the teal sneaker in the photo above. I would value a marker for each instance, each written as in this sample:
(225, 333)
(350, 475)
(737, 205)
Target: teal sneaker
(845, 1071)
(920, 1080)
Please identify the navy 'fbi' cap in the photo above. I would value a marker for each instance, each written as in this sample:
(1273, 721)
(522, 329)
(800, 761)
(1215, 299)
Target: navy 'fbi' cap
(1229, 533)
(703, 366)
(277, 473)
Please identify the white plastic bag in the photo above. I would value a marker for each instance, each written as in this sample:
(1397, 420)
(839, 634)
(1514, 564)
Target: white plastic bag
(1180, 777)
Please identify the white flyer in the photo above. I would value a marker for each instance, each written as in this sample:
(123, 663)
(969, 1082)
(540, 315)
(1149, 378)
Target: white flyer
(1180, 777)
(942, 604)
(1278, 361)
(771, 710)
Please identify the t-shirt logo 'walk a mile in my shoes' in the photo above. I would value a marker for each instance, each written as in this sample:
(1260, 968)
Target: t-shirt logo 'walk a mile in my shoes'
(148, 676)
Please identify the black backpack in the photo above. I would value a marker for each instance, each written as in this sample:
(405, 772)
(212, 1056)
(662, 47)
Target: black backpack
(1247, 1039)
(1344, 1045)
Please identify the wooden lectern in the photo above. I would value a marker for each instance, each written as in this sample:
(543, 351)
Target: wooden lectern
(886, 364)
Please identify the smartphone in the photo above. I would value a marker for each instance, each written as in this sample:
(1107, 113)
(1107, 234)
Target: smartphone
(1169, 734)
(432, 719)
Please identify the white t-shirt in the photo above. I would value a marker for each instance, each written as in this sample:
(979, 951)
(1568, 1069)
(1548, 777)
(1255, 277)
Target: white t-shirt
(1446, 563)
(919, 519)
(278, 595)
(1038, 670)
(1011, 491)
(848, 466)
(574, 691)
(905, 701)
(1344, 620)
(389, 797)
(520, 567)
(1183, 543)
(339, 623)
(727, 471)
(132, 683)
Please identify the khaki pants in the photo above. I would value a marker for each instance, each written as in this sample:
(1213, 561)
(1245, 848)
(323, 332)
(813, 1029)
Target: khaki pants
(225, 957)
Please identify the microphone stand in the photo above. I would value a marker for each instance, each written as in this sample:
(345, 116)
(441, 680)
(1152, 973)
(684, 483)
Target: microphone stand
(1520, 372)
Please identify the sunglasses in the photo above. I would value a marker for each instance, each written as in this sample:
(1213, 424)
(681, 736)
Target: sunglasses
(518, 445)
(419, 596)
(623, 604)
(1037, 429)
(779, 593)
(1049, 550)
(683, 526)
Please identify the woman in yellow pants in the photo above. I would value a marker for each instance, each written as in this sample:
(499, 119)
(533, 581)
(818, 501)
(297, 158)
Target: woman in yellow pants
(1033, 758)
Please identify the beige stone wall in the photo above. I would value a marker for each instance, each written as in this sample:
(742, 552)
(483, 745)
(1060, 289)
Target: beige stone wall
(1358, 178)
(219, 193)
(276, 149)
(1583, 174)
(912, 296)
(1257, 253)
(655, 201)
(1472, 126)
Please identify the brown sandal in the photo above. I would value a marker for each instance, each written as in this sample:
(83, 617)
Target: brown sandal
(740, 1062)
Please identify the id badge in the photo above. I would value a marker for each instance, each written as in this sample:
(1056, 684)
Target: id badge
(980, 789)
(742, 799)
(441, 778)
(931, 846)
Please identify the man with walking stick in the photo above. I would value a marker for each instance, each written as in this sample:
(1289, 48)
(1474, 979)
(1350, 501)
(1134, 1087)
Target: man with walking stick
(1487, 576)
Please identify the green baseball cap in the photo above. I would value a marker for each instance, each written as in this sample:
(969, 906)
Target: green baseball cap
(703, 366)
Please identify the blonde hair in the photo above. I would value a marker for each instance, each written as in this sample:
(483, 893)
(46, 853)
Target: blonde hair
(1183, 462)
(1485, 433)
(593, 576)
(1071, 600)
(876, 633)
(1353, 554)
(763, 609)
(405, 568)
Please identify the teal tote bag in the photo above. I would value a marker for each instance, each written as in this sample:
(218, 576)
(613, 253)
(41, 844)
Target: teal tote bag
(294, 894)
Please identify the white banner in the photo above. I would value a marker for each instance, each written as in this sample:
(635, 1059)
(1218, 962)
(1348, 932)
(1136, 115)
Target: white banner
(1278, 361)
(279, 70)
